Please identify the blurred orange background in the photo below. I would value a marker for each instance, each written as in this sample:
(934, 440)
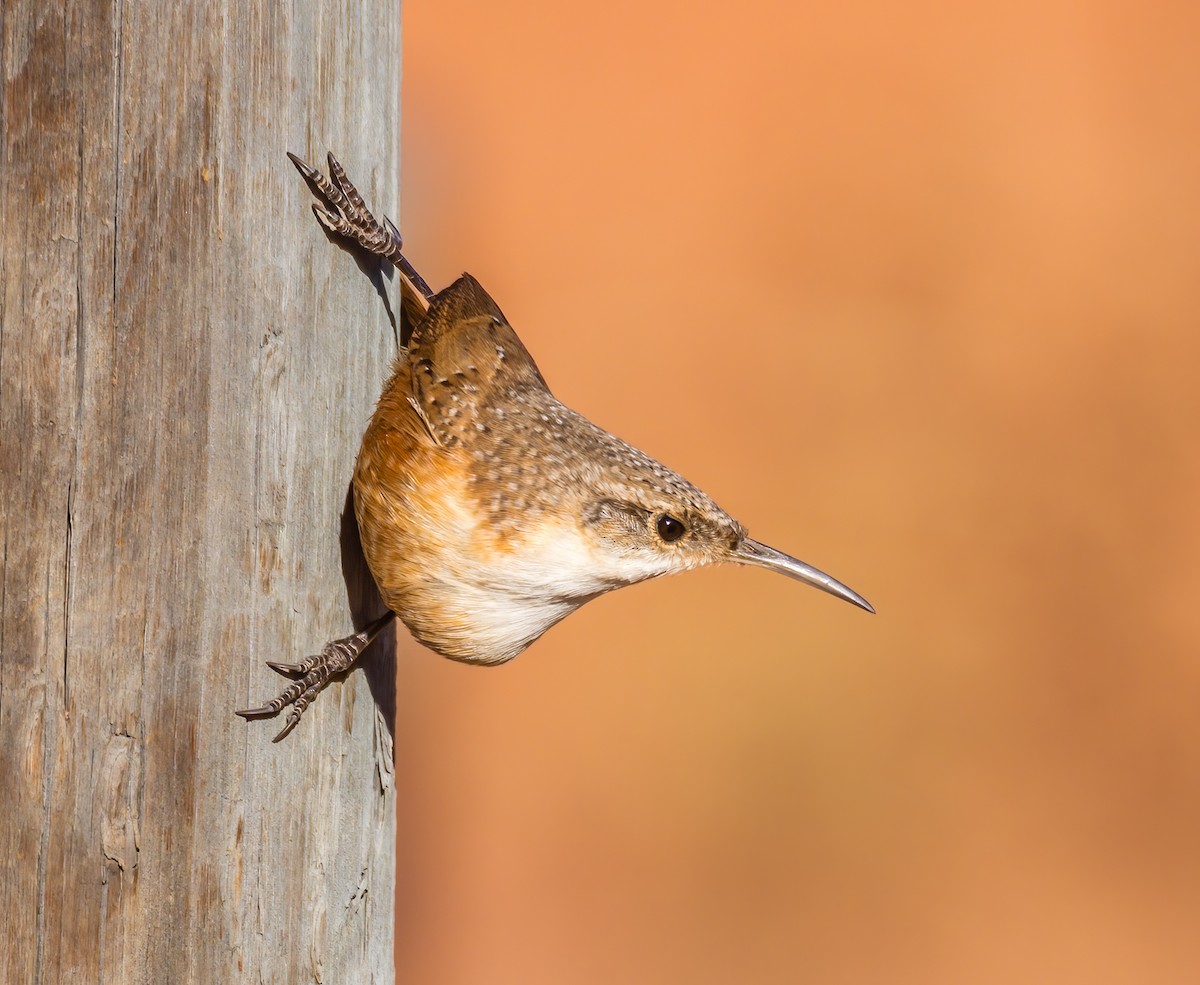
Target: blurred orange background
(913, 289)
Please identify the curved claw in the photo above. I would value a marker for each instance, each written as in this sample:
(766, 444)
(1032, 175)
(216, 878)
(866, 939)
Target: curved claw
(264, 712)
(305, 169)
(394, 233)
(292, 722)
(332, 221)
(288, 670)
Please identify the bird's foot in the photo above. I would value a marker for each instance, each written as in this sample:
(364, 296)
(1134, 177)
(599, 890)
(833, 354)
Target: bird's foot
(351, 218)
(313, 673)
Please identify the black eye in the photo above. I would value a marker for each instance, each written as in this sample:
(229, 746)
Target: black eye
(669, 528)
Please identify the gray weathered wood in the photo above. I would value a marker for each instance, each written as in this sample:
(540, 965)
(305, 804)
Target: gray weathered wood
(186, 367)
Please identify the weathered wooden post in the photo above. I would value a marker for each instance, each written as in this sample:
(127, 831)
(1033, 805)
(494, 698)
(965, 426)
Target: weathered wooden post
(186, 367)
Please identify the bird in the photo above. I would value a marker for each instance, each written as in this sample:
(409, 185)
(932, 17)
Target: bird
(487, 509)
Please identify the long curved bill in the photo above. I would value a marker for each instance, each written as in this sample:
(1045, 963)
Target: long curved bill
(752, 552)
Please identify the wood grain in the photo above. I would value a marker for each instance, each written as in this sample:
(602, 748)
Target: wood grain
(186, 368)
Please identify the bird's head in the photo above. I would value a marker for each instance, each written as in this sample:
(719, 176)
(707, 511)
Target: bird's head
(641, 520)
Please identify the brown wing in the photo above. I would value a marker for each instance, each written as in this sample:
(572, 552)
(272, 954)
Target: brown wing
(464, 355)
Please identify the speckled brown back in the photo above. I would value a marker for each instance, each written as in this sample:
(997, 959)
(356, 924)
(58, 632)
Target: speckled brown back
(476, 385)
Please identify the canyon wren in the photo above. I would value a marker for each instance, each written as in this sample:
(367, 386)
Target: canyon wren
(488, 510)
